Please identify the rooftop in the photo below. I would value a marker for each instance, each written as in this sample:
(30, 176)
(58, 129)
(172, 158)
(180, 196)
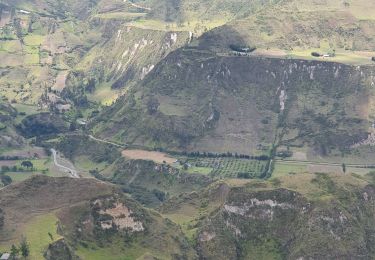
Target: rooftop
(5, 256)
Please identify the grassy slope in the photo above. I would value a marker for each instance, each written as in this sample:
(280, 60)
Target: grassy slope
(253, 21)
(68, 205)
(294, 29)
(37, 231)
(324, 102)
(33, 215)
(40, 47)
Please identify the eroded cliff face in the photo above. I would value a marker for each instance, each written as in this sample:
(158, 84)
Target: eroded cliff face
(201, 101)
(127, 54)
(283, 224)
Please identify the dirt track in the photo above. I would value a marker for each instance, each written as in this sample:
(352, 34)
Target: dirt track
(70, 169)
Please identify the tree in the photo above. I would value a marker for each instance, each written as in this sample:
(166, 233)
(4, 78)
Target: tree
(73, 126)
(24, 248)
(152, 105)
(5, 169)
(6, 180)
(315, 54)
(27, 164)
(14, 251)
(344, 167)
(1, 219)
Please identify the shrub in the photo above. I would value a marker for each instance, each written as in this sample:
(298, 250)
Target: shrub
(6, 180)
(285, 154)
(315, 54)
(242, 48)
(244, 175)
(1, 218)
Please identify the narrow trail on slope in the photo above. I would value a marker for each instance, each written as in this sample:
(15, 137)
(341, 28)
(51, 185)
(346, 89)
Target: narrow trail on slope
(138, 6)
(104, 141)
(134, 176)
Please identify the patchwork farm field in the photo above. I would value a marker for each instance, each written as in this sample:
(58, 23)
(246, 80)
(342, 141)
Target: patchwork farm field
(228, 167)
(220, 167)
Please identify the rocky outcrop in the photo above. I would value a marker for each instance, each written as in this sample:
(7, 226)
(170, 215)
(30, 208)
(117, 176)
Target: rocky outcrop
(59, 250)
(290, 226)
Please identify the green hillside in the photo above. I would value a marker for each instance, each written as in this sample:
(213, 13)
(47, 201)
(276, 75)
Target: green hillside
(296, 28)
(93, 218)
(47, 45)
(286, 221)
(183, 130)
(201, 101)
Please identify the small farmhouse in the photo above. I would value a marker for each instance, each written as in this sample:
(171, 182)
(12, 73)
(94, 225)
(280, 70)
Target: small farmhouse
(5, 256)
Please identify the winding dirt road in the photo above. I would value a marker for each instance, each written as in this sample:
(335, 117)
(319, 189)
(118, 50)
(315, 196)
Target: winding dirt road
(104, 141)
(72, 172)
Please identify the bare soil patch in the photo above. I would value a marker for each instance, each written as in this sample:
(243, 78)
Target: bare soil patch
(8, 163)
(324, 168)
(270, 52)
(121, 217)
(157, 157)
(60, 81)
(299, 156)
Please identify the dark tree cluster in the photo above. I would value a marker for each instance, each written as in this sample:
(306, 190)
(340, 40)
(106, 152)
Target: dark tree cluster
(225, 155)
(23, 249)
(1, 219)
(10, 158)
(315, 54)
(241, 48)
(284, 154)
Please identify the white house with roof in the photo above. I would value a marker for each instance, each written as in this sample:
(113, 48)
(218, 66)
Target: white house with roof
(5, 256)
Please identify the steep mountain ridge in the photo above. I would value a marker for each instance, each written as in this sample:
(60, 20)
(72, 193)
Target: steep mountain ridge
(295, 24)
(47, 45)
(198, 100)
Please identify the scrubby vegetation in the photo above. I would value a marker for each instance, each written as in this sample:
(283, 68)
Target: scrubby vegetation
(73, 146)
(152, 183)
(42, 124)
